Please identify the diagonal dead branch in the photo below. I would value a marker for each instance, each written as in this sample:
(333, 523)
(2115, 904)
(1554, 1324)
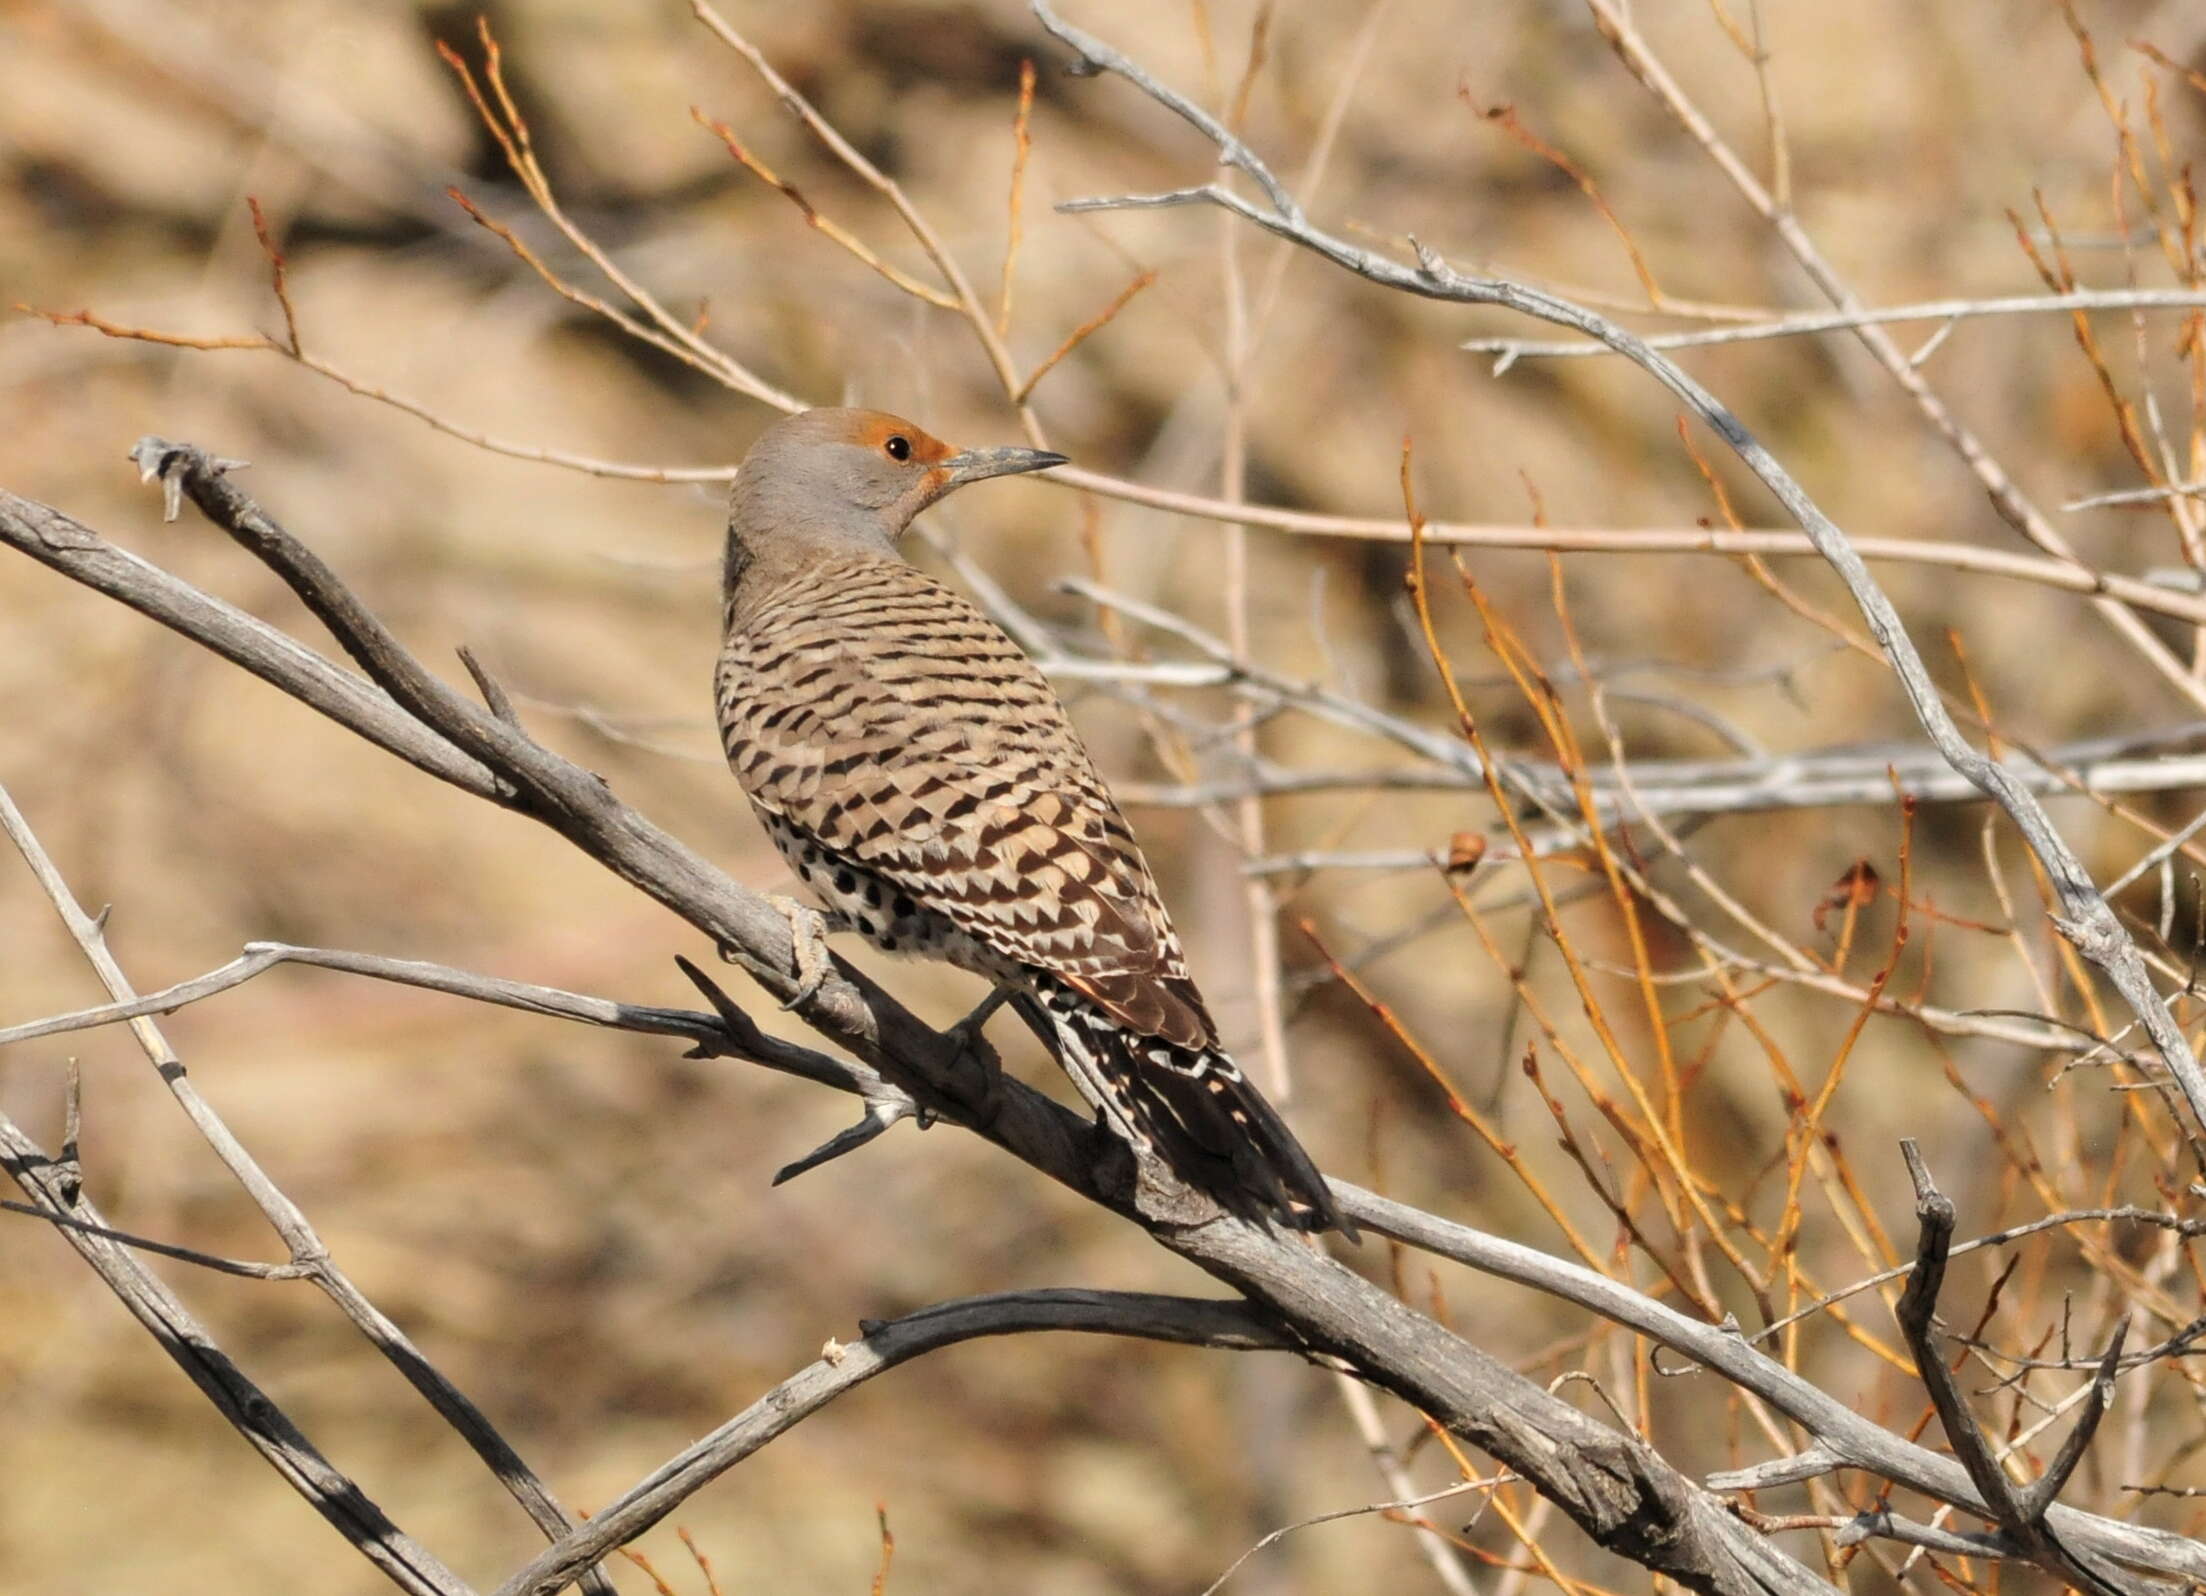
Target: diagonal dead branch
(246, 1407)
(1188, 1321)
(307, 1250)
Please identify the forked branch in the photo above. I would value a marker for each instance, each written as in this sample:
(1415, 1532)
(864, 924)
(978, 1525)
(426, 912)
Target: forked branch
(2020, 1512)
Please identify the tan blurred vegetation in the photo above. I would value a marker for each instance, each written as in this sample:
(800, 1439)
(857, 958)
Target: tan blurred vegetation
(578, 1226)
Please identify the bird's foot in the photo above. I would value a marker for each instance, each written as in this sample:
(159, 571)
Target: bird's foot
(809, 929)
(988, 1100)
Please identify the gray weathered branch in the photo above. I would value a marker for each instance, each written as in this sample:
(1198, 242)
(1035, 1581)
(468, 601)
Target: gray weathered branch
(1188, 1321)
(310, 1259)
(1844, 1438)
(409, 1565)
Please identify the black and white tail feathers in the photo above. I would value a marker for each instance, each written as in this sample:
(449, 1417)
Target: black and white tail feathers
(1195, 1110)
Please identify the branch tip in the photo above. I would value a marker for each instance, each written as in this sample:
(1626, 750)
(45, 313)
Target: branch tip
(880, 1114)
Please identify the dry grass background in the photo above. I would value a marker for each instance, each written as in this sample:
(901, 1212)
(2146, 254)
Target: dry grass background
(577, 1226)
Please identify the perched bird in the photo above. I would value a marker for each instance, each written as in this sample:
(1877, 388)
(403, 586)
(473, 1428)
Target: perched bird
(920, 775)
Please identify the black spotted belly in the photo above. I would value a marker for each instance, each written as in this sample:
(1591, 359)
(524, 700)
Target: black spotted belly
(881, 912)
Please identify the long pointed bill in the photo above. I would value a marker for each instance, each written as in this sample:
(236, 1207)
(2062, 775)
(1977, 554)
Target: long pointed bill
(976, 465)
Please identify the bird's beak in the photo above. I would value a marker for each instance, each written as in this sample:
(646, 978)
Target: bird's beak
(976, 465)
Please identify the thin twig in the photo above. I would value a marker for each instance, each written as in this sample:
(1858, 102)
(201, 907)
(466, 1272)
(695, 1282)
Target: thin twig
(1508, 351)
(1399, 1505)
(1080, 334)
(821, 223)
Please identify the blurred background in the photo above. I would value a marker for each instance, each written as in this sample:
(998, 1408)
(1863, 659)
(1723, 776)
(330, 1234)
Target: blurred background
(577, 1226)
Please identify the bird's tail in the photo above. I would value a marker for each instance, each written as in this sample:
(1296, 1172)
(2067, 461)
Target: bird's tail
(1196, 1111)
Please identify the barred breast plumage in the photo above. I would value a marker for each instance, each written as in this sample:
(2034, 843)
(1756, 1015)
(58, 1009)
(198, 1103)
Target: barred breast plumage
(921, 776)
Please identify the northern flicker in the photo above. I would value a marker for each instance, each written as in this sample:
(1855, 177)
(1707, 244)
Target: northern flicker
(920, 775)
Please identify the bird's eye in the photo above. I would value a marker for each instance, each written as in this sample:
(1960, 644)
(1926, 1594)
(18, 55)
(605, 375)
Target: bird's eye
(899, 447)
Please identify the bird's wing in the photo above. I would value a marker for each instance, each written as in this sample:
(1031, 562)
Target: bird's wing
(883, 717)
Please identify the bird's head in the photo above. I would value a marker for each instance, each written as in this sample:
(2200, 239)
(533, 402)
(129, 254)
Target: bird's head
(855, 475)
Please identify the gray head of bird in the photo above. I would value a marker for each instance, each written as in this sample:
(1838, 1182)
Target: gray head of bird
(854, 479)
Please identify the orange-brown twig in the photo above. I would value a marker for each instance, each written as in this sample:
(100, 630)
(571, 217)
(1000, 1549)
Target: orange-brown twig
(2190, 75)
(1620, 1209)
(276, 271)
(506, 124)
(1080, 334)
(704, 1563)
(1260, 32)
(658, 1580)
(1505, 117)
(1022, 145)
(818, 220)
(888, 1550)
(397, 401)
(683, 349)
(148, 335)
(1458, 1105)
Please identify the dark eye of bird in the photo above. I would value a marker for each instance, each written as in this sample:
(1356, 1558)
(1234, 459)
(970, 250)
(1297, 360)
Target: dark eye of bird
(899, 447)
